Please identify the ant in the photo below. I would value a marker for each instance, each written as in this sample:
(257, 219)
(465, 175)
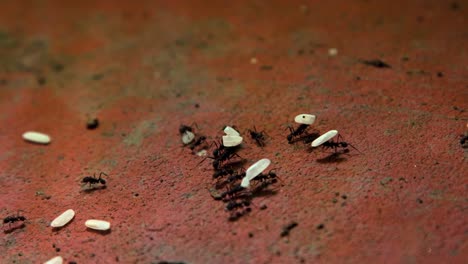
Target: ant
(184, 128)
(264, 177)
(259, 137)
(222, 154)
(197, 142)
(93, 180)
(463, 140)
(235, 177)
(338, 144)
(231, 205)
(222, 172)
(232, 191)
(13, 218)
(287, 228)
(301, 129)
(238, 214)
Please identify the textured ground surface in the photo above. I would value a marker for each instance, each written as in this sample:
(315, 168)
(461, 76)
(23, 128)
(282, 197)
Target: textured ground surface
(142, 68)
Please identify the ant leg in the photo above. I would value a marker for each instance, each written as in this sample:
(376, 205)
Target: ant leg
(102, 174)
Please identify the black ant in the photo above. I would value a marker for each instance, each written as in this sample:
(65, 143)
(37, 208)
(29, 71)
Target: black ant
(238, 214)
(338, 144)
(222, 154)
(197, 142)
(231, 205)
(259, 137)
(223, 172)
(232, 191)
(185, 128)
(463, 140)
(264, 177)
(235, 177)
(13, 218)
(301, 129)
(93, 180)
(287, 228)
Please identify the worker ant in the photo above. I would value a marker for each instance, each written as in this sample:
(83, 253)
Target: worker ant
(259, 137)
(287, 229)
(93, 180)
(233, 204)
(232, 192)
(184, 128)
(270, 176)
(223, 172)
(12, 219)
(300, 130)
(238, 208)
(335, 145)
(463, 140)
(200, 140)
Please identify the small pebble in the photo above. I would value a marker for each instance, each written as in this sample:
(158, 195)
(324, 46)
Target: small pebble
(97, 224)
(55, 260)
(36, 137)
(63, 219)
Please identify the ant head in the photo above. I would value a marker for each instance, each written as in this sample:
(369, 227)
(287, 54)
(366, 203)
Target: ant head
(102, 181)
(289, 137)
(184, 128)
(22, 218)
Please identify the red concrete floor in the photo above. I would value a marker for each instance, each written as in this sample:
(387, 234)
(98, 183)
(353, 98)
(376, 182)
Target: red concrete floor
(141, 66)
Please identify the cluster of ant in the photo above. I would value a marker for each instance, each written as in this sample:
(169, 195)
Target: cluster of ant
(232, 181)
(325, 140)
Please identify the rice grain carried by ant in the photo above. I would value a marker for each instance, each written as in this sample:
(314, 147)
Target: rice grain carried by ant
(324, 138)
(232, 141)
(97, 224)
(36, 137)
(63, 219)
(55, 260)
(187, 137)
(305, 119)
(253, 171)
(231, 131)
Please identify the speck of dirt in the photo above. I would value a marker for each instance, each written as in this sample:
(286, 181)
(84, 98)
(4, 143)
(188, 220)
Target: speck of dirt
(405, 58)
(455, 6)
(419, 201)
(321, 226)
(57, 249)
(358, 78)
(440, 74)
(3, 82)
(334, 200)
(197, 105)
(344, 197)
(263, 207)
(251, 234)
